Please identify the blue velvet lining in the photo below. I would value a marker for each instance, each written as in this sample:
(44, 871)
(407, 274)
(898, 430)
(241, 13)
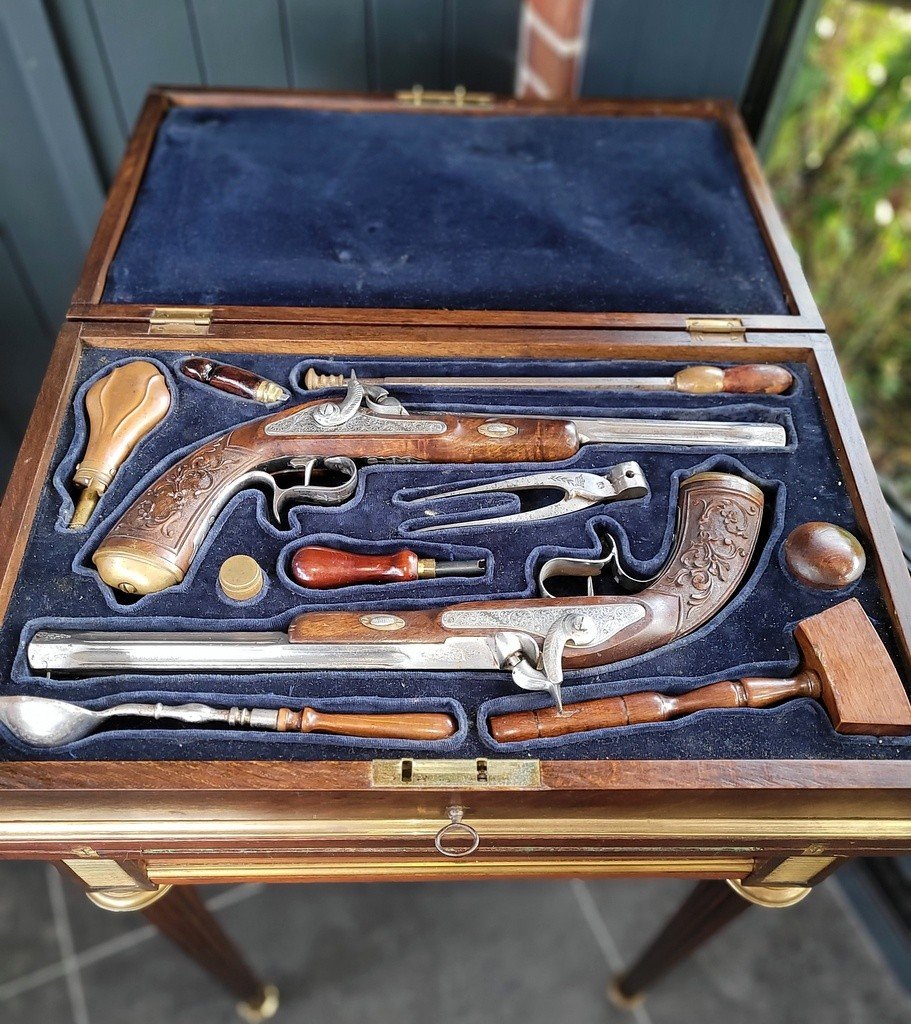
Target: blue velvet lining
(315, 208)
(752, 635)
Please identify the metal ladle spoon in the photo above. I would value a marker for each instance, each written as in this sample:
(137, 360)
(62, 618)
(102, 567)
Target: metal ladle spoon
(45, 722)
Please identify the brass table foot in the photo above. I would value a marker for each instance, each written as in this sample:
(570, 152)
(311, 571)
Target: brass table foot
(768, 895)
(263, 1008)
(122, 901)
(620, 999)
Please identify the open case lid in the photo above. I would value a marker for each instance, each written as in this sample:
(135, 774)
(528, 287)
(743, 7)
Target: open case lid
(292, 207)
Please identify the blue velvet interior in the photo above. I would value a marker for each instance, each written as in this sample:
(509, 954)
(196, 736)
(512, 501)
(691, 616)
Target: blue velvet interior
(753, 634)
(317, 208)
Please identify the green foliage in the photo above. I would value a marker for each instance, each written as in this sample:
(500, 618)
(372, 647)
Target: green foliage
(841, 170)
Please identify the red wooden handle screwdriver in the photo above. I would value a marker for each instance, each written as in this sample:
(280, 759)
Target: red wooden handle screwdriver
(321, 568)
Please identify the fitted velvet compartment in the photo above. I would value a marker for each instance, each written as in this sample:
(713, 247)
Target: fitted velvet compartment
(752, 635)
(269, 207)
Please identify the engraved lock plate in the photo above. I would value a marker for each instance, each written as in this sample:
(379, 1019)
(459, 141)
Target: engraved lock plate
(304, 424)
(608, 619)
(384, 415)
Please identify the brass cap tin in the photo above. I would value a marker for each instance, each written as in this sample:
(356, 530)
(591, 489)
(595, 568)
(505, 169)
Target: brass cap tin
(240, 577)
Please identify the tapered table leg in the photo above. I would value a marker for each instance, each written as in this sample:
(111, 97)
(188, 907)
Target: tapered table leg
(183, 918)
(708, 908)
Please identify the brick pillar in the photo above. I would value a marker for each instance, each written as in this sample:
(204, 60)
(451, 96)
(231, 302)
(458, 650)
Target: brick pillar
(553, 35)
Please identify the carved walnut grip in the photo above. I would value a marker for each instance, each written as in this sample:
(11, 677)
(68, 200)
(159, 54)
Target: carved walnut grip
(718, 521)
(405, 726)
(154, 543)
(122, 407)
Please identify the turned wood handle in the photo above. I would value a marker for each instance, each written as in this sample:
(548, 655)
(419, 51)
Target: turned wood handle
(405, 726)
(750, 379)
(233, 380)
(321, 568)
(649, 706)
(154, 542)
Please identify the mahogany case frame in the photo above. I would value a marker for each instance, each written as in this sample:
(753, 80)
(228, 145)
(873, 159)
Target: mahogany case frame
(207, 821)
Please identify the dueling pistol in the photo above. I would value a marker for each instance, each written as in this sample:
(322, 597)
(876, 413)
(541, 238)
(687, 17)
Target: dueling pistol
(154, 543)
(535, 639)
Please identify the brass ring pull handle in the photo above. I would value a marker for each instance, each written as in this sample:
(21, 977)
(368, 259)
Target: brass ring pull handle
(456, 827)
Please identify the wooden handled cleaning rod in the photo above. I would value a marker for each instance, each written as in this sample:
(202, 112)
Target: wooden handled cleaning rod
(845, 665)
(746, 379)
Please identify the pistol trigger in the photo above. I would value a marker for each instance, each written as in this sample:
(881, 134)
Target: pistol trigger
(608, 565)
(316, 494)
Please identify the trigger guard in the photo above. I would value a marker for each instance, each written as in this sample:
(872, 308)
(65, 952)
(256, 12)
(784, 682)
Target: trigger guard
(608, 564)
(314, 494)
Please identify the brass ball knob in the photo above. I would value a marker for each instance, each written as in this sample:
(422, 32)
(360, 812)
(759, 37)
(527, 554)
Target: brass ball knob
(824, 556)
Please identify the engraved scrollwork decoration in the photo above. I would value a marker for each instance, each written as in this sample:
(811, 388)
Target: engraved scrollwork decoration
(719, 549)
(182, 484)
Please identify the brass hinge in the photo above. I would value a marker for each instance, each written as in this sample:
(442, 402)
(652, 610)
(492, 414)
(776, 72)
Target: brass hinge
(418, 96)
(477, 773)
(729, 328)
(180, 320)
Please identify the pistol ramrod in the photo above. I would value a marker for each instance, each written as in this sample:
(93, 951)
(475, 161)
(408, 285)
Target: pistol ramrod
(535, 639)
(154, 543)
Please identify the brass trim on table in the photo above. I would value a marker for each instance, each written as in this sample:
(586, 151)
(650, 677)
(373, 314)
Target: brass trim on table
(390, 838)
(263, 1009)
(102, 873)
(33, 826)
(193, 871)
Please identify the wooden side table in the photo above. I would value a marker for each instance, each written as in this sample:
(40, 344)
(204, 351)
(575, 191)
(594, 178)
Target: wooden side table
(146, 842)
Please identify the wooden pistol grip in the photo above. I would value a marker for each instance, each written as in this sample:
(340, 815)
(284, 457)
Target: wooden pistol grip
(719, 517)
(153, 544)
(321, 568)
(405, 726)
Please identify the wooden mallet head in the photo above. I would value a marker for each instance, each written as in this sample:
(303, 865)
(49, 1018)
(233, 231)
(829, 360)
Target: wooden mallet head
(859, 685)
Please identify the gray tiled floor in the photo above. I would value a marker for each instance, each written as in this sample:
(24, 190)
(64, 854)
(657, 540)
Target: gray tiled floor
(471, 952)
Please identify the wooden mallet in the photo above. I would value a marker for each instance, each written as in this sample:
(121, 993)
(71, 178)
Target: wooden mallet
(845, 665)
